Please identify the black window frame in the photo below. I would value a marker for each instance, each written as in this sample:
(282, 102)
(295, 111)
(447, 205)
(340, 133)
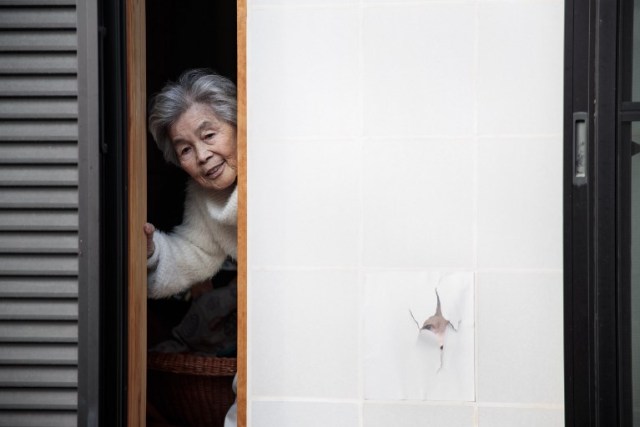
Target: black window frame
(113, 212)
(597, 218)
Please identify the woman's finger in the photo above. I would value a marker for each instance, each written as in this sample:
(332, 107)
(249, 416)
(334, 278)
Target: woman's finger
(148, 230)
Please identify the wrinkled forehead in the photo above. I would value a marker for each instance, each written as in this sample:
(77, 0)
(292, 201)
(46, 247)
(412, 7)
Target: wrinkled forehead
(195, 119)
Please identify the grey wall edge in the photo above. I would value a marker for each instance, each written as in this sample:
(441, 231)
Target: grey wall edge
(89, 211)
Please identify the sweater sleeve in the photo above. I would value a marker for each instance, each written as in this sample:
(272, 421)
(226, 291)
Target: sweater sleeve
(185, 256)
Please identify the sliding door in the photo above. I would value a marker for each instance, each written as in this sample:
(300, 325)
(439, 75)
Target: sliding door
(602, 213)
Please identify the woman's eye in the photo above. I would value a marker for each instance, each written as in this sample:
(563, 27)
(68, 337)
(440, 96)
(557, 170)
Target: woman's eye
(209, 135)
(184, 151)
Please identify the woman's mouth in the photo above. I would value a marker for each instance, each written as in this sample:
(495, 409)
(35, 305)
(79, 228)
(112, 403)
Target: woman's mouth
(215, 171)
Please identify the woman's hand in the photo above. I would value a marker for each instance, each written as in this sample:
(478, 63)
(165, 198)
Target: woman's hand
(148, 230)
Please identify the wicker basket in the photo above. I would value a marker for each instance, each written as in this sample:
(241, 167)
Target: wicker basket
(190, 390)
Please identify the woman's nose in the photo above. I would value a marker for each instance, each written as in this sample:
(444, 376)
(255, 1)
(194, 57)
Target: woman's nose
(204, 154)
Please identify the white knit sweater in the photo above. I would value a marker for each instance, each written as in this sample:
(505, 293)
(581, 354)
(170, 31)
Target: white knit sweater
(194, 250)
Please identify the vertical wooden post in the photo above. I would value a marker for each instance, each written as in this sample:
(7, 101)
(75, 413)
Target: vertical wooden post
(137, 212)
(242, 212)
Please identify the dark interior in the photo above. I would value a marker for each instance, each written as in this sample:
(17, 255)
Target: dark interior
(181, 35)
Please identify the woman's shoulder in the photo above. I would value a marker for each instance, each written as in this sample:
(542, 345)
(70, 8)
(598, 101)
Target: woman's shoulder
(219, 205)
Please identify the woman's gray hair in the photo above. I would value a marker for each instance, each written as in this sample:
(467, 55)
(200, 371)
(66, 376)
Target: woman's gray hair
(193, 87)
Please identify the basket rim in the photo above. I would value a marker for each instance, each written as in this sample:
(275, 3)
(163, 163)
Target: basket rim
(193, 364)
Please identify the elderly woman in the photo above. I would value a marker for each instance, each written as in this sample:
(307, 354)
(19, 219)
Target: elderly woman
(193, 122)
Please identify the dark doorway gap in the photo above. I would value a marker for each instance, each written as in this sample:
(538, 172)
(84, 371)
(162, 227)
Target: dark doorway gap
(181, 35)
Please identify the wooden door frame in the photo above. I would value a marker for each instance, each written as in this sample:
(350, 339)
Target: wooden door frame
(242, 210)
(136, 149)
(137, 212)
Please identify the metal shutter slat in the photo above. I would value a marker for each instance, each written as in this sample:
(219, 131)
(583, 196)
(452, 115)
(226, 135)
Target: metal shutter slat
(37, 2)
(26, 220)
(38, 175)
(38, 18)
(39, 419)
(19, 242)
(38, 63)
(38, 287)
(38, 399)
(39, 152)
(50, 376)
(38, 354)
(49, 41)
(38, 86)
(38, 331)
(44, 198)
(38, 108)
(38, 265)
(38, 131)
(38, 310)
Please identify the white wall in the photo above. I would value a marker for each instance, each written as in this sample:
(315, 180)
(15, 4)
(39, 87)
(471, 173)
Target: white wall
(403, 136)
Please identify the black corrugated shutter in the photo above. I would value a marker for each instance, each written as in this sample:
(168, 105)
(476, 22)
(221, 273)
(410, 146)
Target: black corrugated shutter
(39, 213)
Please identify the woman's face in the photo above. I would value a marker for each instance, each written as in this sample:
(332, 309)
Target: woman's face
(205, 147)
